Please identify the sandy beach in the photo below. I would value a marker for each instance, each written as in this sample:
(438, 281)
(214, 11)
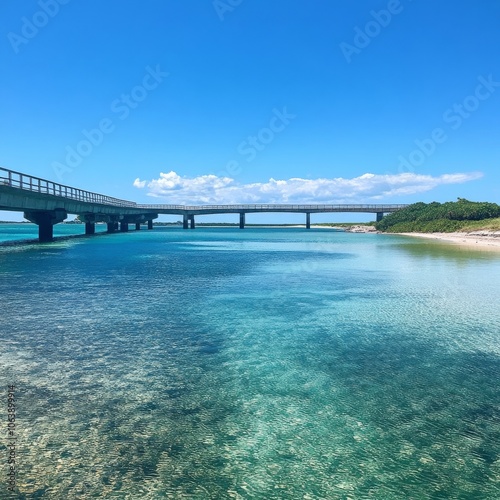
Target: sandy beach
(477, 239)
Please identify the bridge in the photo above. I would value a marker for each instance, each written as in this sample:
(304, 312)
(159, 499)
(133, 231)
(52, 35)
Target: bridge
(47, 203)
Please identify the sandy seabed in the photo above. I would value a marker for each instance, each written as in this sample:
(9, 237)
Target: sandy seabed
(489, 240)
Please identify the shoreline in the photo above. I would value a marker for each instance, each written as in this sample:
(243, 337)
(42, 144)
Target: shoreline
(484, 240)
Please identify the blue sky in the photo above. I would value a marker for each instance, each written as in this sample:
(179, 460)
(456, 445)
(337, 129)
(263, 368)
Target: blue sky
(224, 101)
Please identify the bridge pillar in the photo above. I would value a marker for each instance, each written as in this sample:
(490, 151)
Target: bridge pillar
(150, 224)
(242, 220)
(308, 221)
(90, 228)
(45, 229)
(191, 220)
(185, 221)
(137, 226)
(45, 220)
(123, 226)
(380, 216)
(112, 226)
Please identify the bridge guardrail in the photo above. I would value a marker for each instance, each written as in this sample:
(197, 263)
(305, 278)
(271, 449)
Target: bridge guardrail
(273, 206)
(35, 184)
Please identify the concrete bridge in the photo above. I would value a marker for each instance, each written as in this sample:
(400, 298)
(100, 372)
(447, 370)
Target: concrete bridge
(47, 203)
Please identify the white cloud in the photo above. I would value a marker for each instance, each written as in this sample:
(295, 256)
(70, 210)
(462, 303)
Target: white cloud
(211, 189)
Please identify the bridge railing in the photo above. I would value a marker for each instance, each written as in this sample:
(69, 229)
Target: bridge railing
(350, 207)
(43, 186)
(168, 207)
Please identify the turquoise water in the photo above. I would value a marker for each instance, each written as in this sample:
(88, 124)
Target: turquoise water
(264, 363)
(25, 231)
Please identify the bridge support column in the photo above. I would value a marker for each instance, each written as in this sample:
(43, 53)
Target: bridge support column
(150, 224)
(380, 216)
(90, 228)
(112, 226)
(191, 222)
(308, 221)
(45, 221)
(242, 220)
(185, 221)
(123, 226)
(137, 226)
(45, 229)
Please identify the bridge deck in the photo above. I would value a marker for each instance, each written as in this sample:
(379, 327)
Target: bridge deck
(47, 203)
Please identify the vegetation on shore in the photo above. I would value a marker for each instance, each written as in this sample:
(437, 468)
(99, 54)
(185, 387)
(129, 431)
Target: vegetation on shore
(461, 215)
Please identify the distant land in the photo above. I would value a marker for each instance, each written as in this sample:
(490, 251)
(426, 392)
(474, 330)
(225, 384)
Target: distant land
(223, 224)
(453, 216)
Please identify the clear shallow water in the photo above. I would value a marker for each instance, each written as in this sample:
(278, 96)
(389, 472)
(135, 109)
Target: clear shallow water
(273, 364)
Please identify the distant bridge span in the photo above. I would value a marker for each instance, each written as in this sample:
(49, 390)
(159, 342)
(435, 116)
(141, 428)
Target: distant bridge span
(47, 203)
